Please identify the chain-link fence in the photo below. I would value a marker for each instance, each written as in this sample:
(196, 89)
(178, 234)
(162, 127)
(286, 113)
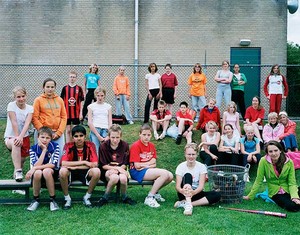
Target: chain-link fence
(32, 76)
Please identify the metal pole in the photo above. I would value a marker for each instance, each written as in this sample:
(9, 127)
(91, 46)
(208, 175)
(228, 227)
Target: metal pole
(136, 55)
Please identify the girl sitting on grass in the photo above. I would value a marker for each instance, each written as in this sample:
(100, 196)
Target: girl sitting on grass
(190, 181)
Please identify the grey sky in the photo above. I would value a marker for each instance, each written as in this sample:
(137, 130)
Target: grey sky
(293, 34)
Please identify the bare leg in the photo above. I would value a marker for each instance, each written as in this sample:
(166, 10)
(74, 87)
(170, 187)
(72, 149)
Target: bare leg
(161, 178)
(48, 175)
(94, 173)
(15, 154)
(37, 178)
(63, 177)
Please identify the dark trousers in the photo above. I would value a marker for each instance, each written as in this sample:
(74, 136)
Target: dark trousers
(229, 158)
(206, 158)
(153, 93)
(245, 156)
(212, 196)
(88, 100)
(285, 202)
(239, 98)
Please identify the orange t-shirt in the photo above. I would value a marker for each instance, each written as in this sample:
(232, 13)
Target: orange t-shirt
(197, 82)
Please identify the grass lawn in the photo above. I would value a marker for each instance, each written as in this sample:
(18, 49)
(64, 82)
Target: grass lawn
(140, 219)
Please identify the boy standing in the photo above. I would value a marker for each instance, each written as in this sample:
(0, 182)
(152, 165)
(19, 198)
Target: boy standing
(160, 119)
(73, 97)
(79, 162)
(121, 89)
(44, 160)
(114, 159)
(143, 166)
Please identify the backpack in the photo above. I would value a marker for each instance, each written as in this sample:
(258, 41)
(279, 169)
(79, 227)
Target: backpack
(119, 119)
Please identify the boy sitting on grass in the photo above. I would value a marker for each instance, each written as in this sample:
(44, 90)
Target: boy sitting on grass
(44, 160)
(143, 166)
(79, 162)
(160, 118)
(114, 159)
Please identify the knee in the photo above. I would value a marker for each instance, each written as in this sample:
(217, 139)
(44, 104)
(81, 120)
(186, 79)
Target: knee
(123, 179)
(47, 173)
(63, 173)
(95, 172)
(114, 179)
(37, 174)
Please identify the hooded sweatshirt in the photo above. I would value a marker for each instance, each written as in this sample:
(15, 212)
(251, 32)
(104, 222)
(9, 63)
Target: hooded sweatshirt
(50, 112)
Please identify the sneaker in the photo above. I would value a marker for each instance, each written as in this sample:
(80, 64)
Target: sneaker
(188, 209)
(18, 191)
(150, 201)
(67, 205)
(129, 201)
(180, 204)
(54, 206)
(265, 180)
(87, 202)
(33, 206)
(156, 136)
(19, 175)
(130, 122)
(178, 139)
(159, 198)
(102, 202)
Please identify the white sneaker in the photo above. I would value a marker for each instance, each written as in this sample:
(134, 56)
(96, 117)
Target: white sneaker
(156, 136)
(150, 201)
(33, 206)
(54, 206)
(188, 209)
(159, 198)
(180, 204)
(87, 202)
(19, 175)
(196, 120)
(18, 191)
(68, 204)
(131, 122)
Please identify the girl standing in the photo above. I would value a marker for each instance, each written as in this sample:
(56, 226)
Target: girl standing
(275, 88)
(153, 86)
(99, 118)
(19, 116)
(50, 111)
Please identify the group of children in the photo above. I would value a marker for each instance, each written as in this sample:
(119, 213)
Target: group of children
(51, 115)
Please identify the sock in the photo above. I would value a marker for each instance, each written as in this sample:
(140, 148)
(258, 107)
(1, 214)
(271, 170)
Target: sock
(88, 195)
(37, 198)
(67, 197)
(106, 195)
(124, 196)
(52, 198)
(150, 195)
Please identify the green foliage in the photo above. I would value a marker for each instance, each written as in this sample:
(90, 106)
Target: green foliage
(116, 218)
(293, 53)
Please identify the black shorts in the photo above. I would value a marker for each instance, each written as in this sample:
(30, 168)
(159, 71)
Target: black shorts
(43, 181)
(81, 175)
(168, 95)
(74, 121)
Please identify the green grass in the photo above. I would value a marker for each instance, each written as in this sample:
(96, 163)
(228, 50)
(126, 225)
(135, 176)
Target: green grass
(124, 219)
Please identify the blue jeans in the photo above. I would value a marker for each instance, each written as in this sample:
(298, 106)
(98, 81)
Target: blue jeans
(102, 132)
(123, 102)
(223, 90)
(290, 142)
(198, 102)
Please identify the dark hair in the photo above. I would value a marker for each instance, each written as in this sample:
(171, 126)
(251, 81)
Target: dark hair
(259, 105)
(48, 80)
(197, 65)
(228, 124)
(272, 72)
(183, 103)
(45, 130)
(168, 65)
(149, 67)
(282, 158)
(78, 129)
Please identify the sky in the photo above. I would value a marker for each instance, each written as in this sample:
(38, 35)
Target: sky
(293, 34)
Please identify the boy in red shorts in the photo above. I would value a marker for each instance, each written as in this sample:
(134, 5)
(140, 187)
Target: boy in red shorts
(79, 162)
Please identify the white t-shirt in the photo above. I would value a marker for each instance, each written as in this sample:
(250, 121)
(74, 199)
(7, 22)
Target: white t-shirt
(230, 142)
(100, 114)
(153, 80)
(21, 115)
(198, 169)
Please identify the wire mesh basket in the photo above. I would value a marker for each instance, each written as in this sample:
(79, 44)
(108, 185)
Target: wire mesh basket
(229, 180)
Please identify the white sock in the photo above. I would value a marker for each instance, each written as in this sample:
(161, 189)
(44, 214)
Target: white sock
(88, 195)
(67, 197)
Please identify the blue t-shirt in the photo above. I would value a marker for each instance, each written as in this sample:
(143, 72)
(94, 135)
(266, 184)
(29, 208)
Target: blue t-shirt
(250, 145)
(92, 80)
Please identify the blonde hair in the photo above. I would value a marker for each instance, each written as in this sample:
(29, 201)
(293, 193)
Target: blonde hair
(272, 115)
(115, 128)
(98, 90)
(211, 123)
(19, 89)
(232, 103)
(193, 146)
(212, 99)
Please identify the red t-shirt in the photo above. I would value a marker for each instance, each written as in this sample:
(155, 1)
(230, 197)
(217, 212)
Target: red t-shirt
(70, 152)
(187, 115)
(141, 153)
(72, 97)
(159, 115)
(169, 81)
(253, 114)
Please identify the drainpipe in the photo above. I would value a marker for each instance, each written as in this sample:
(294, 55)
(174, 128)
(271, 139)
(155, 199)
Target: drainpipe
(136, 55)
(292, 6)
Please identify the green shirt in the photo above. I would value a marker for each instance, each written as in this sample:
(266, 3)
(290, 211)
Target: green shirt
(234, 82)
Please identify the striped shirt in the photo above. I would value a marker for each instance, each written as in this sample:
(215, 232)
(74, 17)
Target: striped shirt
(72, 97)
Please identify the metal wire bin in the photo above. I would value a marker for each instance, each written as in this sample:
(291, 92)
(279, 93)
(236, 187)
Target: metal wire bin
(229, 180)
